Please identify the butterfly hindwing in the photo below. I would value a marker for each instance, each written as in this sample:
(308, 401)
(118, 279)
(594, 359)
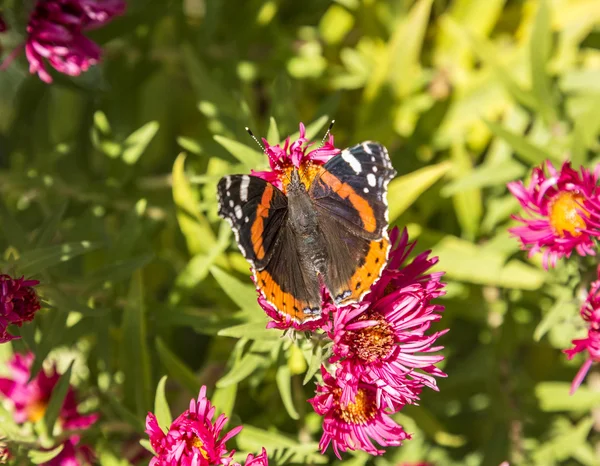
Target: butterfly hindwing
(352, 187)
(256, 211)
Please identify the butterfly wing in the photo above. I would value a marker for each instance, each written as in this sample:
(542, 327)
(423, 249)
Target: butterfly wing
(256, 211)
(349, 194)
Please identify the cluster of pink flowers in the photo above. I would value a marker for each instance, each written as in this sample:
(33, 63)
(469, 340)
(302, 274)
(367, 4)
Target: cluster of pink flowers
(563, 208)
(29, 401)
(55, 34)
(18, 304)
(194, 440)
(382, 354)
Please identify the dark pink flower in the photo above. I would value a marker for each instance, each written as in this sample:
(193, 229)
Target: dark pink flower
(30, 399)
(259, 460)
(383, 340)
(2, 24)
(559, 205)
(55, 35)
(18, 304)
(72, 454)
(283, 159)
(354, 425)
(590, 312)
(192, 439)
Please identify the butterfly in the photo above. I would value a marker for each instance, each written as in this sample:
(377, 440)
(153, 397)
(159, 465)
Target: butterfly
(331, 229)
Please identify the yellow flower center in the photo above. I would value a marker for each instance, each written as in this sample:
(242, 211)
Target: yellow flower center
(196, 442)
(564, 212)
(361, 411)
(372, 343)
(36, 410)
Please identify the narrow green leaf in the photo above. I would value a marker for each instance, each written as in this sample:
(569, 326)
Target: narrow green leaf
(284, 384)
(57, 399)
(252, 331)
(485, 176)
(245, 154)
(50, 227)
(241, 294)
(123, 412)
(115, 272)
(147, 445)
(467, 204)
(539, 50)
(177, 368)
(161, 406)
(135, 361)
(316, 359)
(137, 142)
(406, 189)
(554, 397)
(224, 398)
(241, 369)
(13, 231)
(40, 456)
(37, 260)
(560, 311)
(273, 132)
(527, 151)
(52, 336)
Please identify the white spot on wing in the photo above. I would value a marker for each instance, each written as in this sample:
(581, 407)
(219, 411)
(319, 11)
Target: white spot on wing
(352, 161)
(238, 211)
(367, 148)
(365, 190)
(227, 182)
(231, 203)
(371, 179)
(244, 188)
(374, 169)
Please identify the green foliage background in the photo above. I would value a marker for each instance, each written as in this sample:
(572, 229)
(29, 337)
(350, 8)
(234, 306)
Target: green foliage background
(143, 279)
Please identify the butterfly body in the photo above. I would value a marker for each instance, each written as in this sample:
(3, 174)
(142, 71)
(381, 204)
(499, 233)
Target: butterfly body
(330, 230)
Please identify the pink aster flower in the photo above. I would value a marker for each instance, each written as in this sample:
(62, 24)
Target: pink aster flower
(559, 205)
(192, 439)
(72, 454)
(354, 425)
(55, 35)
(259, 460)
(383, 341)
(18, 304)
(30, 399)
(282, 159)
(590, 312)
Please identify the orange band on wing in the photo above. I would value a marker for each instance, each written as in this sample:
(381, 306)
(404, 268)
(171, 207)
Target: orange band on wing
(258, 226)
(345, 191)
(369, 272)
(285, 303)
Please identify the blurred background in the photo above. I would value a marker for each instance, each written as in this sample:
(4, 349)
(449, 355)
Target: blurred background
(108, 186)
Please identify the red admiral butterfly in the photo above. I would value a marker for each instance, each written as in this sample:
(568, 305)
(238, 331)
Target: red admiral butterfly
(331, 227)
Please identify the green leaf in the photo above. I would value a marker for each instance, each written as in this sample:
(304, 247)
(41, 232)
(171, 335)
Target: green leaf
(52, 335)
(313, 129)
(485, 176)
(177, 368)
(161, 406)
(137, 142)
(194, 226)
(224, 398)
(560, 311)
(40, 456)
(251, 158)
(135, 361)
(251, 331)
(50, 227)
(316, 359)
(284, 384)
(243, 295)
(57, 399)
(273, 132)
(467, 204)
(554, 397)
(539, 50)
(527, 151)
(115, 272)
(38, 260)
(147, 445)
(406, 189)
(13, 231)
(241, 369)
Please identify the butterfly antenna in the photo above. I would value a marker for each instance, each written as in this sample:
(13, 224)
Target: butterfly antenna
(276, 162)
(326, 134)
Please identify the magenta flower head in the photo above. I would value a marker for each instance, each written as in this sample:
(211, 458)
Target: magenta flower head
(259, 460)
(559, 205)
(3, 26)
(353, 426)
(590, 312)
(295, 154)
(383, 341)
(30, 399)
(192, 439)
(18, 304)
(72, 454)
(55, 35)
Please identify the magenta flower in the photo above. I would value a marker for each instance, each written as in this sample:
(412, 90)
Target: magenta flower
(282, 159)
(3, 26)
(353, 426)
(55, 35)
(590, 312)
(72, 454)
(18, 304)
(30, 399)
(559, 206)
(192, 439)
(382, 341)
(259, 460)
